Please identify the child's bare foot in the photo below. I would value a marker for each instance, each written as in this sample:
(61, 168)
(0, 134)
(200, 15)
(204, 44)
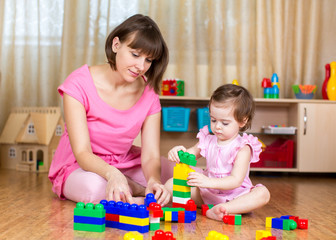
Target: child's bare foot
(138, 200)
(216, 213)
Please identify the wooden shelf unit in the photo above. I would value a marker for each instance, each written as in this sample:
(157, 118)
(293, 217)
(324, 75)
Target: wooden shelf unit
(315, 120)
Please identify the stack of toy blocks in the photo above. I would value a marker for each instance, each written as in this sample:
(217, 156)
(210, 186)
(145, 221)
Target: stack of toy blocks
(213, 235)
(264, 235)
(181, 190)
(287, 222)
(235, 219)
(155, 212)
(89, 217)
(127, 217)
(162, 235)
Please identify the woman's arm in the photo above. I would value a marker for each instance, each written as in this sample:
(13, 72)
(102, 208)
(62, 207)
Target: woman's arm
(76, 122)
(233, 181)
(150, 158)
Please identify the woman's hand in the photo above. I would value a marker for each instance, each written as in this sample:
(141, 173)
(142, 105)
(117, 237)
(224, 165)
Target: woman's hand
(173, 153)
(160, 192)
(197, 179)
(117, 188)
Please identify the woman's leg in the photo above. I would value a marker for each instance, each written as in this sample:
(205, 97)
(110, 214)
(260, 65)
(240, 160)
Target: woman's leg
(84, 186)
(256, 198)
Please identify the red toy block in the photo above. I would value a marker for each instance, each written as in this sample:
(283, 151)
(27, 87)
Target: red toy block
(205, 208)
(112, 217)
(295, 218)
(155, 210)
(302, 223)
(229, 219)
(269, 238)
(181, 216)
(191, 206)
(161, 235)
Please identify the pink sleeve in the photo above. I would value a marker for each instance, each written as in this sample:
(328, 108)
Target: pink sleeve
(204, 140)
(156, 105)
(253, 142)
(75, 85)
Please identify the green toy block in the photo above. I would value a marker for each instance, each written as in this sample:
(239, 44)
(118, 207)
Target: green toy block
(187, 158)
(154, 226)
(181, 194)
(89, 210)
(238, 219)
(180, 182)
(169, 209)
(289, 224)
(89, 227)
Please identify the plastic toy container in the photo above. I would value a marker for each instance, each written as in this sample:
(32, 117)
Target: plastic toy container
(277, 155)
(175, 119)
(203, 118)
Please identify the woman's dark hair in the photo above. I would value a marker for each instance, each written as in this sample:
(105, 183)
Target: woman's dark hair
(242, 100)
(147, 38)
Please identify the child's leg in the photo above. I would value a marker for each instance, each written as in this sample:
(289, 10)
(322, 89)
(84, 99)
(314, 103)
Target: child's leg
(256, 198)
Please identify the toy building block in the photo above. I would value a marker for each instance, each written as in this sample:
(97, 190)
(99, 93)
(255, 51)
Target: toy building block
(155, 210)
(269, 238)
(149, 199)
(154, 223)
(133, 236)
(180, 182)
(181, 194)
(89, 217)
(125, 216)
(285, 224)
(187, 158)
(302, 223)
(162, 235)
(260, 234)
(233, 219)
(181, 171)
(205, 208)
(269, 222)
(213, 235)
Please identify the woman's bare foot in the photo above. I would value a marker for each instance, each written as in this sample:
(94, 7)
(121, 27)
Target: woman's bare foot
(217, 212)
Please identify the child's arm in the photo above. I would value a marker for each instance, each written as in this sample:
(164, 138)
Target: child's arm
(173, 153)
(226, 183)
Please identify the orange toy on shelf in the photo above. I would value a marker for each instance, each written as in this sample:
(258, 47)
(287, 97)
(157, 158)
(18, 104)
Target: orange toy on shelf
(331, 86)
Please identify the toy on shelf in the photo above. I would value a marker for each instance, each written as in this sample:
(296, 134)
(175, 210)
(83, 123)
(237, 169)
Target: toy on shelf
(175, 119)
(304, 91)
(279, 129)
(325, 82)
(172, 87)
(271, 86)
(30, 137)
(133, 236)
(89, 217)
(331, 86)
(213, 235)
(235, 219)
(235, 82)
(162, 235)
(263, 234)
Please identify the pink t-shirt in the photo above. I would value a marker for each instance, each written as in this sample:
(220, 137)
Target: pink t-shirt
(220, 161)
(112, 131)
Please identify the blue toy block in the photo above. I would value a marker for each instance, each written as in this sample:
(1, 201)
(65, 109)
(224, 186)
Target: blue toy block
(126, 209)
(130, 227)
(277, 223)
(285, 217)
(89, 220)
(174, 217)
(149, 199)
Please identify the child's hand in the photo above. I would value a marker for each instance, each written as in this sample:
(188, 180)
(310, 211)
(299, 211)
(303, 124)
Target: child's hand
(197, 179)
(173, 153)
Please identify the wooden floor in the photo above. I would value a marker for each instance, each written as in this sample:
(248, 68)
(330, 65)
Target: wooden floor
(31, 211)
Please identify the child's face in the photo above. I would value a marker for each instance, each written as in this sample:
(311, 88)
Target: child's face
(223, 123)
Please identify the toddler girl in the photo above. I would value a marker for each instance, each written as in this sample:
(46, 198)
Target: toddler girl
(225, 181)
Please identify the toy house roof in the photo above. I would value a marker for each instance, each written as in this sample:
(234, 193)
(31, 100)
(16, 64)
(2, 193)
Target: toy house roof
(45, 120)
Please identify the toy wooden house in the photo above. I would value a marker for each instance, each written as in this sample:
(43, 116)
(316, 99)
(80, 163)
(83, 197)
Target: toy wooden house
(30, 138)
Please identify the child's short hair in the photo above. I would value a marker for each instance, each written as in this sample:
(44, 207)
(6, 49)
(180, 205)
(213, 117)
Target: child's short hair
(147, 38)
(242, 100)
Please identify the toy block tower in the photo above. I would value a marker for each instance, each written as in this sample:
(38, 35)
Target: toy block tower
(181, 190)
(89, 217)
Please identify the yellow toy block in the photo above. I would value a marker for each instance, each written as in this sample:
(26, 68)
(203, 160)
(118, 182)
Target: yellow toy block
(181, 188)
(133, 236)
(168, 216)
(134, 221)
(262, 234)
(182, 170)
(213, 235)
(269, 222)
